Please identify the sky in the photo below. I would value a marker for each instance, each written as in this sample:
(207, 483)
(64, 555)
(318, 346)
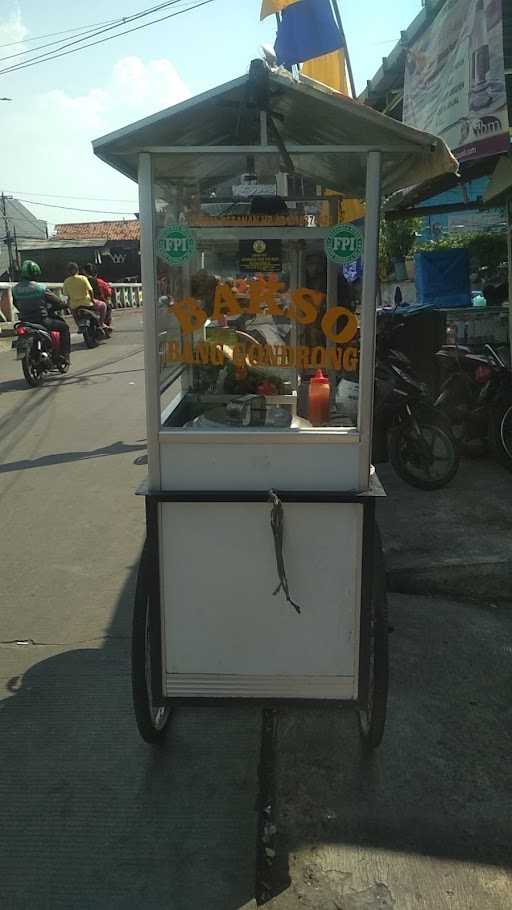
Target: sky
(58, 107)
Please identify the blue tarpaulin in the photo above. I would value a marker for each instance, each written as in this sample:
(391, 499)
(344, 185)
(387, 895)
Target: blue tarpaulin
(442, 279)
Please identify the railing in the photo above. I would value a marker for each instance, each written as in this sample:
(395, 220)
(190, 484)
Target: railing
(477, 325)
(125, 296)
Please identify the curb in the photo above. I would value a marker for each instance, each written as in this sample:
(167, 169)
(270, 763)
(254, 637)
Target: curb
(482, 579)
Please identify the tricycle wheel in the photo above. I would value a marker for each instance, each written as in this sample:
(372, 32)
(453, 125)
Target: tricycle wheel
(373, 718)
(151, 719)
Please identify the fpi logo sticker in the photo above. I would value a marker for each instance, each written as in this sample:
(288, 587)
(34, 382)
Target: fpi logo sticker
(344, 244)
(176, 244)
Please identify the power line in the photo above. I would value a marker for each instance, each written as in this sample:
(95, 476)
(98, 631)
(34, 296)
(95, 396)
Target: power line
(70, 208)
(91, 32)
(82, 34)
(62, 52)
(64, 31)
(64, 196)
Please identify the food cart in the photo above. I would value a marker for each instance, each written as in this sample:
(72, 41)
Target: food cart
(261, 577)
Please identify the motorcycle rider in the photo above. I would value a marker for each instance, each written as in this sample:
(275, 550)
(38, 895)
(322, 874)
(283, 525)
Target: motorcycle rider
(36, 304)
(102, 290)
(79, 292)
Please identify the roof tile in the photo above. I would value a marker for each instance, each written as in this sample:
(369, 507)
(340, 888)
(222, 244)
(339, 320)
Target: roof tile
(109, 230)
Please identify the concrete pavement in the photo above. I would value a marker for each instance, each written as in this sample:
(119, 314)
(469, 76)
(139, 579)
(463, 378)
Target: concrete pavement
(424, 824)
(454, 541)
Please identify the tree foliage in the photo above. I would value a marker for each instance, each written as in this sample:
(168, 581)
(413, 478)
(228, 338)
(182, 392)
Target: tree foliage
(397, 240)
(486, 250)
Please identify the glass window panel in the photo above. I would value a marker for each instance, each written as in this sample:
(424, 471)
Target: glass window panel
(258, 329)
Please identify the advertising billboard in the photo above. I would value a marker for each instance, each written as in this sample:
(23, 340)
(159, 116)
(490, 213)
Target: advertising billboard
(455, 82)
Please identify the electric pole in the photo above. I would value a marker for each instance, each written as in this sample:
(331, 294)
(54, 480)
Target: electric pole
(8, 238)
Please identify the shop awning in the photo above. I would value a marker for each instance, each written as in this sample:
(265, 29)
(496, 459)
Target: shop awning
(305, 113)
(500, 184)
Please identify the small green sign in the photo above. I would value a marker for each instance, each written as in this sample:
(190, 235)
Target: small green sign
(176, 244)
(344, 244)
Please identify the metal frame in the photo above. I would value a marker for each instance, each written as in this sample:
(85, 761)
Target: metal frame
(151, 359)
(362, 437)
(275, 150)
(368, 309)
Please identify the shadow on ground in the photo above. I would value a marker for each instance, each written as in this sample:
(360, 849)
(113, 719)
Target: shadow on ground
(94, 818)
(116, 448)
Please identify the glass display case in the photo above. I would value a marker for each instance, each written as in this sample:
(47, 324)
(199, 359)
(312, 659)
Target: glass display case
(258, 321)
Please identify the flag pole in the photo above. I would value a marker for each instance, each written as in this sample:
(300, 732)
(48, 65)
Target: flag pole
(347, 55)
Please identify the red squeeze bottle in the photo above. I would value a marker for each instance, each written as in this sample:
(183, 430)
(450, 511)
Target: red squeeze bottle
(319, 399)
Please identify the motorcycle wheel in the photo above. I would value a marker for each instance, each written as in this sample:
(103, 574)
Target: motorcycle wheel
(501, 433)
(63, 367)
(30, 371)
(408, 456)
(90, 338)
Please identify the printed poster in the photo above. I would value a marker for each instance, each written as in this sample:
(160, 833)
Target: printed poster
(455, 81)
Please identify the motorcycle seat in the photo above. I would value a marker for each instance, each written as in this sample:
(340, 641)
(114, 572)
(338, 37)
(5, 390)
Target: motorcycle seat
(34, 325)
(87, 313)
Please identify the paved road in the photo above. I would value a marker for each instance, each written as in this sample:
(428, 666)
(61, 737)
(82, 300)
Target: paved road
(93, 820)
(90, 817)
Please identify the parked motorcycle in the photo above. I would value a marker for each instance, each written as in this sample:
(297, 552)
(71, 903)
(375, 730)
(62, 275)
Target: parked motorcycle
(88, 323)
(39, 352)
(408, 430)
(476, 396)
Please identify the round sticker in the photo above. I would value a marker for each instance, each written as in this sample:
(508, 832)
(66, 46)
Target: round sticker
(344, 244)
(176, 244)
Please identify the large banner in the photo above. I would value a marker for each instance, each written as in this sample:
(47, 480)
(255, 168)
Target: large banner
(455, 81)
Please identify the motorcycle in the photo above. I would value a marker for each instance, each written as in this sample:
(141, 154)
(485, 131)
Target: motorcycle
(476, 396)
(39, 352)
(88, 324)
(408, 430)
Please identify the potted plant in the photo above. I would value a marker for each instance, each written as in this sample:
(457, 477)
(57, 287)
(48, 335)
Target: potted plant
(398, 239)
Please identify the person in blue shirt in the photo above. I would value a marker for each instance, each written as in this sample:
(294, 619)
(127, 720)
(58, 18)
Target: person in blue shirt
(36, 304)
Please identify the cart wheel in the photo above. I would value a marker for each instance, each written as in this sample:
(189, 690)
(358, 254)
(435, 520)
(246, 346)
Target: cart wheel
(151, 719)
(373, 719)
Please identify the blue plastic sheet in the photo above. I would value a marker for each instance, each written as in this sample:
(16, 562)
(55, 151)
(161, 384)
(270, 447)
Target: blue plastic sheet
(442, 279)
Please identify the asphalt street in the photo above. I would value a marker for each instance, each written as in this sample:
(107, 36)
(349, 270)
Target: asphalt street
(93, 819)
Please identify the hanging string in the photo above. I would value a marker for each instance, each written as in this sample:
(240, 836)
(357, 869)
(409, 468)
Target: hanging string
(277, 525)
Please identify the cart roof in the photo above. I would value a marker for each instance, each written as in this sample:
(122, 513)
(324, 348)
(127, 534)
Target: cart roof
(305, 112)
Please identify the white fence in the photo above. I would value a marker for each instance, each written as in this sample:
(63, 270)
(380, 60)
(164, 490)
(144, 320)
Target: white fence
(125, 296)
(477, 325)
